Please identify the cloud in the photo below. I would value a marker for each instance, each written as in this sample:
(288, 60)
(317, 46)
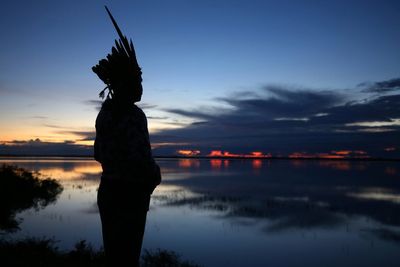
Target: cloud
(146, 106)
(282, 120)
(277, 102)
(38, 147)
(381, 87)
(83, 135)
(94, 103)
(97, 104)
(54, 126)
(157, 117)
(39, 117)
(271, 104)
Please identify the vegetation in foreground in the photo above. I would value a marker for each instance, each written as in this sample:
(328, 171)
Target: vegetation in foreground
(21, 189)
(44, 253)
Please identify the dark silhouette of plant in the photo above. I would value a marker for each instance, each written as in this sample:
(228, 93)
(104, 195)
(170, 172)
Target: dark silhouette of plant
(164, 258)
(43, 252)
(21, 189)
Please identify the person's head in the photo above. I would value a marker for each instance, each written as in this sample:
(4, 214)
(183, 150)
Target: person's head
(128, 91)
(122, 75)
(120, 71)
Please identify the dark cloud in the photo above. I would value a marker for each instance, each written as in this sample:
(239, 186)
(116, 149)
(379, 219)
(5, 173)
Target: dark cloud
(146, 106)
(94, 103)
(84, 135)
(157, 118)
(39, 117)
(282, 102)
(202, 113)
(38, 147)
(381, 87)
(283, 120)
(272, 105)
(98, 103)
(54, 126)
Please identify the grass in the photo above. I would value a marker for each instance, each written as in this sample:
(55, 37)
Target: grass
(34, 252)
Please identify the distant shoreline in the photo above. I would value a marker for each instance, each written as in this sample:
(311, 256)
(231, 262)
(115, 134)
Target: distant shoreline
(207, 157)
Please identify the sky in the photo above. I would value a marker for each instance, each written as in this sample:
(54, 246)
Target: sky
(277, 77)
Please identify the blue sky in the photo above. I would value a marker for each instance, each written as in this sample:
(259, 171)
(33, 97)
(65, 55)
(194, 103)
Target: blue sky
(193, 54)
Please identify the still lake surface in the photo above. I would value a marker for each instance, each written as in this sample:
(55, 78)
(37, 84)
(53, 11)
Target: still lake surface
(240, 212)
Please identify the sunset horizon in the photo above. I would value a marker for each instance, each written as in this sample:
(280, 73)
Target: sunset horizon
(240, 133)
(288, 79)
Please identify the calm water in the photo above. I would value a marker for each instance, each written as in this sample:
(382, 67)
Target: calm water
(241, 212)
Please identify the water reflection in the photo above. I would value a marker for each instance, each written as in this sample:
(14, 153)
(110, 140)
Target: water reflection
(60, 168)
(21, 190)
(385, 234)
(257, 163)
(308, 195)
(74, 216)
(189, 163)
(216, 164)
(298, 206)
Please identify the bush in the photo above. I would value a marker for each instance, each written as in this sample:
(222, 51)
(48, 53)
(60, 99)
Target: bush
(21, 189)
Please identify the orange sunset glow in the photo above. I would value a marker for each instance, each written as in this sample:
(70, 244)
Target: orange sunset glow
(201, 133)
(227, 154)
(189, 153)
(334, 154)
(342, 154)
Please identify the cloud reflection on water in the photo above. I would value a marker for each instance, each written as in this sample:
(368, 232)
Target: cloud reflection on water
(276, 194)
(295, 194)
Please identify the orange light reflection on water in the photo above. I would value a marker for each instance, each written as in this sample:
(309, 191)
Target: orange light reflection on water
(77, 172)
(390, 170)
(216, 164)
(226, 163)
(337, 165)
(189, 163)
(257, 163)
(60, 169)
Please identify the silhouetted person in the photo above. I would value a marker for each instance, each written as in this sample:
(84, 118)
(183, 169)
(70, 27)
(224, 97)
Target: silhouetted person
(122, 146)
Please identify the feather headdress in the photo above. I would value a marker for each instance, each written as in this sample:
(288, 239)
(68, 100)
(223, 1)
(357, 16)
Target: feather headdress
(120, 66)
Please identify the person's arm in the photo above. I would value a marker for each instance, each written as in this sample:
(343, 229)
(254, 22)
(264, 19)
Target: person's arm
(97, 141)
(139, 149)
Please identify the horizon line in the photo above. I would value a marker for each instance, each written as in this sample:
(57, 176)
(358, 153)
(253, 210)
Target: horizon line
(211, 157)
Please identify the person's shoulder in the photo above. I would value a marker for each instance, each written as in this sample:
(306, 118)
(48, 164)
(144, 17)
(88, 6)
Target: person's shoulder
(106, 105)
(105, 112)
(138, 111)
